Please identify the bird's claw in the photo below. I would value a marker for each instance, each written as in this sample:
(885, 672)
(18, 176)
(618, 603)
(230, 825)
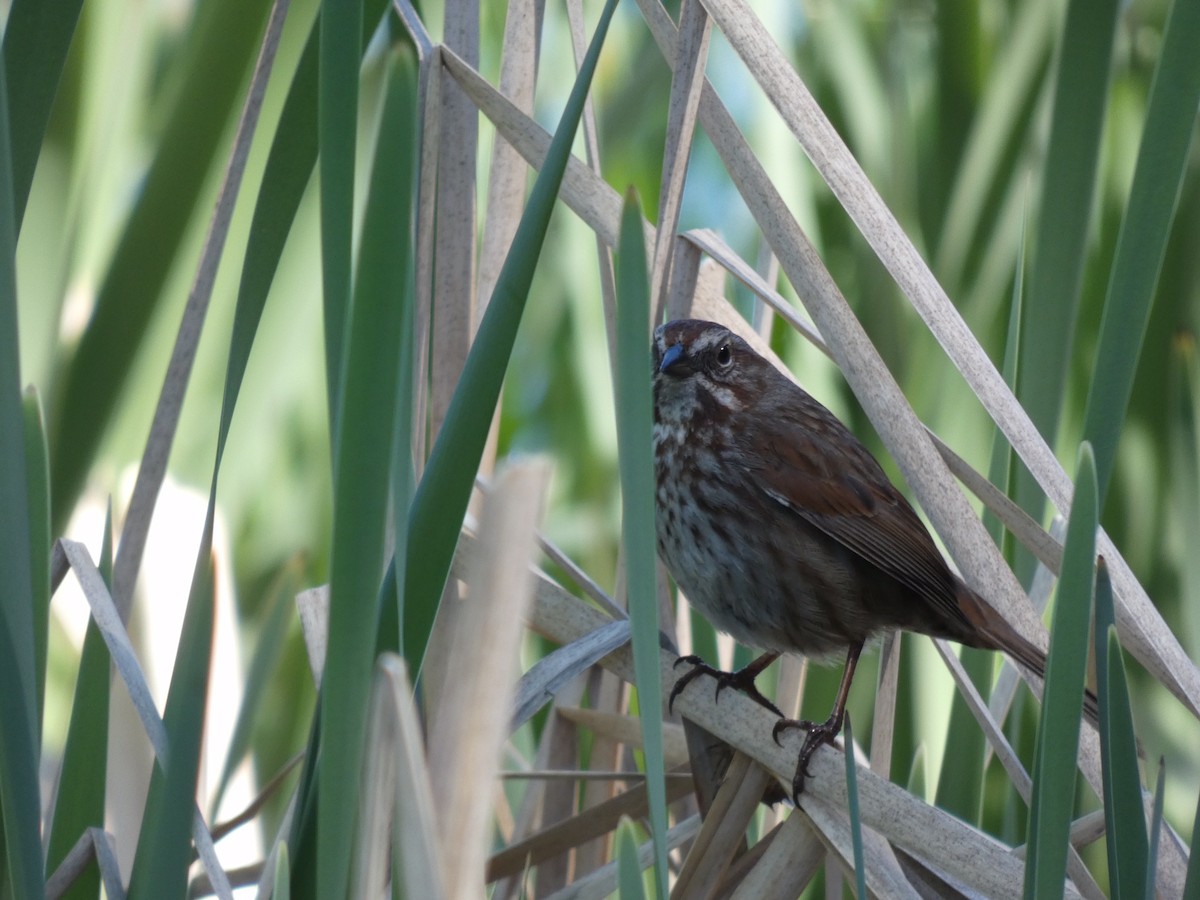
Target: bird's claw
(818, 733)
(742, 680)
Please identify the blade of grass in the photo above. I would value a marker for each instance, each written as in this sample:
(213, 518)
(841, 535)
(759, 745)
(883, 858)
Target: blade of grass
(1002, 114)
(37, 466)
(634, 442)
(1191, 887)
(1058, 728)
(363, 433)
(340, 50)
(80, 797)
(1068, 186)
(281, 887)
(19, 734)
(1156, 821)
(469, 728)
(1125, 828)
(860, 873)
(1142, 244)
(441, 497)
(630, 885)
(36, 38)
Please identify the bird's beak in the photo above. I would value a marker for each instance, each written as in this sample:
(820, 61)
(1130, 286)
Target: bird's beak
(674, 361)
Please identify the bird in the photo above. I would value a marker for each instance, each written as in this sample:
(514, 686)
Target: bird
(785, 532)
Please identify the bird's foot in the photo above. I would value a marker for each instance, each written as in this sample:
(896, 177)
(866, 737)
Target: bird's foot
(741, 680)
(818, 733)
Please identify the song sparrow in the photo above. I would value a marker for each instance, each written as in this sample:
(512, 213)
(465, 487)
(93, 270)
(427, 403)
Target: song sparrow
(784, 531)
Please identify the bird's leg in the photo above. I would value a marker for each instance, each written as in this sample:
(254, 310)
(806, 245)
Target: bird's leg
(820, 732)
(742, 679)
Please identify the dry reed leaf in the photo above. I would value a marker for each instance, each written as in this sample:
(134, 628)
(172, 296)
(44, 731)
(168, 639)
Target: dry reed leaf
(628, 730)
(469, 729)
(507, 173)
(429, 98)
(312, 605)
(591, 146)
(714, 245)
(587, 825)
(554, 671)
(593, 200)
(454, 313)
(396, 806)
(884, 722)
(691, 55)
(532, 810)
(791, 859)
(608, 693)
(881, 870)
(559, 747)
(94, 845)
(723, 830)
(601, 883)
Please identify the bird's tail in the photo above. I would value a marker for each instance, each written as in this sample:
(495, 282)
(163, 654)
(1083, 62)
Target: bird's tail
(997, 634)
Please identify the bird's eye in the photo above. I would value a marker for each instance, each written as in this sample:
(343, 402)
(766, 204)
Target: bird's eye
(724, 356)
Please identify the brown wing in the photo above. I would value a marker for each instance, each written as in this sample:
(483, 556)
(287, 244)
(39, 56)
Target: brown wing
(848, 496)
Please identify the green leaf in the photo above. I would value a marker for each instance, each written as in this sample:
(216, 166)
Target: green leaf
(1053, 796)
(282, 887)
(860, 868)
(441, 498)
(37, 467)
(340, 50)
(1191, 885)
(80, 797)
(1067, 191)
(629, 872)
(1153, 198)
(362, 471)
(19, 734)
(1125, 830)
(635, 423)
(1156, 820)
(36, 38)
